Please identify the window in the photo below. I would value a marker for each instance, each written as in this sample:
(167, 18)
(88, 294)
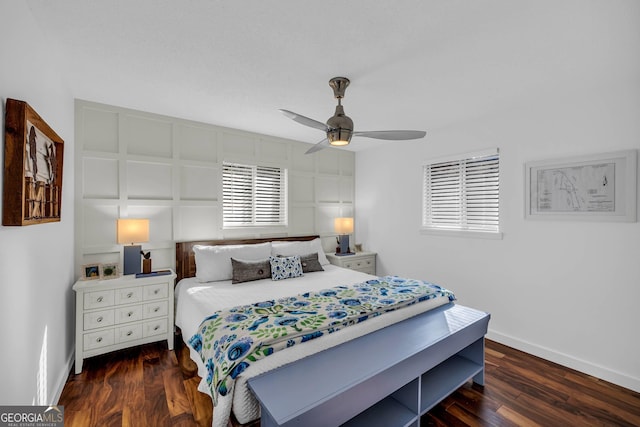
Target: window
(462, 194)
(253, 195)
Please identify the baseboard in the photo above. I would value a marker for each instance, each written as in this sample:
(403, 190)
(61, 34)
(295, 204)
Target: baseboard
(64, 376)
(588, 368)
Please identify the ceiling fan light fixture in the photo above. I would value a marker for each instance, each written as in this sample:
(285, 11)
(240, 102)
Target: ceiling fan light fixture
(336, 140)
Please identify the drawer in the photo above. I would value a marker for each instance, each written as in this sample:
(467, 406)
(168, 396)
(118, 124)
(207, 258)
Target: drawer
(359, 264)
(98, 319)
(128, 314)
(98, 339)
(154, 327)
(157, 291)
(369, 270)
(98, 299)
(155, 309)
(128, 295)
(128, 333)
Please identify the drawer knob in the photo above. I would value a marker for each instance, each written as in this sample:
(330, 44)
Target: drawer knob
(99, 299)
(130, 313)
(99, 319)
(130, 294)
(156, 291)
(157, 309)
(99, 339)
(129, 333)
(156, 327)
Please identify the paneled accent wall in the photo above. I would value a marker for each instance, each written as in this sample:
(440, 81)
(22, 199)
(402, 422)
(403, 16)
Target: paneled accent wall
(140, 165)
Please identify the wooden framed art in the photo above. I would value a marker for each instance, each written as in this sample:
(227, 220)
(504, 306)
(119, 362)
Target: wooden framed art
(109, 271)
(599, 187)
(91, 271)
(33, 159)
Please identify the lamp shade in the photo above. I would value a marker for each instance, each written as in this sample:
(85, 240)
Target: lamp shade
(132, 230)
(343, 225)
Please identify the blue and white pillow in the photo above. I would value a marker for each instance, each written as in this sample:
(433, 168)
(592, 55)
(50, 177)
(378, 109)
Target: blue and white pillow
(285, 267)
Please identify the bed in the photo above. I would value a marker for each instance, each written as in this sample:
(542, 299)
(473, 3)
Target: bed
(205, 290)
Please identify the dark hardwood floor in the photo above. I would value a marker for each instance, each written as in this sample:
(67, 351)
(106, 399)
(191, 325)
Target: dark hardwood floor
(146, 386)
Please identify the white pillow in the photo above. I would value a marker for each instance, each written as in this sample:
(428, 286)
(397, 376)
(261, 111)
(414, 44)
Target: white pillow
(213, 263)
(300, 248)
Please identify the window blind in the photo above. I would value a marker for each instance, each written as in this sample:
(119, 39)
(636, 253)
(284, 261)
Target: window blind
(253, 195)
(462, 194)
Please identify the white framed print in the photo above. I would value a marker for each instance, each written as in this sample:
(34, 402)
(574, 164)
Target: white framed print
(599, 187)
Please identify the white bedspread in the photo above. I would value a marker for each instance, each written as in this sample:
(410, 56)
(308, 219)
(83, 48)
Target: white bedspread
(195, 301)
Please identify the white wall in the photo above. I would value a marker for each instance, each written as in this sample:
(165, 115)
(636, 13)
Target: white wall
(137, 164)
(36, 262)
(564, 290)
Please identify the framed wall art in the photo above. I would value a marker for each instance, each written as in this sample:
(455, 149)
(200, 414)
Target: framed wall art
(599, 187)
(33, 159)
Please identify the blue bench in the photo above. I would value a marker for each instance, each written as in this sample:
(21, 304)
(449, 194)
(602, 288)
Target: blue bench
(389, 377)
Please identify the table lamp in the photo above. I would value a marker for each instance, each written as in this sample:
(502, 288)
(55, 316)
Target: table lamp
(129, 232)
(344, 227)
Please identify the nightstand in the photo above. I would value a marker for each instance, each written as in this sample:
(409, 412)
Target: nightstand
(361, 261)
(120, 313)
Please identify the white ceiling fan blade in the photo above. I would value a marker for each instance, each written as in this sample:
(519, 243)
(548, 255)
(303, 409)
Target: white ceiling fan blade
(317, 147)
(392, 134)
(305, 120)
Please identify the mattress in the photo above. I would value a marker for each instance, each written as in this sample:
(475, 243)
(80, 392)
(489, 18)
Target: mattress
(195, 301)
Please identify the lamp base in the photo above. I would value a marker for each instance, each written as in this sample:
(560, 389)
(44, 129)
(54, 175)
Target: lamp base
(131, 259)
(344, 244)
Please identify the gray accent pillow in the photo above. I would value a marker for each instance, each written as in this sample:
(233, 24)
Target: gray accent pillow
(246, 271)
(309, 263)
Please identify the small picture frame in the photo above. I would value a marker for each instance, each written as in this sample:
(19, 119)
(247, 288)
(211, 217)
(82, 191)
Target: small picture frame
(91, 272)
(109, 271)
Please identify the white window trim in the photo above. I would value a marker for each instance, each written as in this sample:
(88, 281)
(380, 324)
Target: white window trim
(461, 156)
(492, 235)
(455, 231)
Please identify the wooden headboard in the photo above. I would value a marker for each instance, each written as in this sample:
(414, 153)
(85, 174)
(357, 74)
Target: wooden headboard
(186, 260)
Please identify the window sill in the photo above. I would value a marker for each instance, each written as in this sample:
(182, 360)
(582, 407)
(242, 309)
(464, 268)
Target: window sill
(494, 235)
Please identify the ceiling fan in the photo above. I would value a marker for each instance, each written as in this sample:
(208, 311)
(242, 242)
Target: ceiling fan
(339, 127)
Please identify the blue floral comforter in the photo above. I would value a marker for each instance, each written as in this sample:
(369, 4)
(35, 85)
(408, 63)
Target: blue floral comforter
(231, 339)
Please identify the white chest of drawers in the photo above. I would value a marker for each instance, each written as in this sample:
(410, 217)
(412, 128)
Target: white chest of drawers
(360, 261)
(124, 312)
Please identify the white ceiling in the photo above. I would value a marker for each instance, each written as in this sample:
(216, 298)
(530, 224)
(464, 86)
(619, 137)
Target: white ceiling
(416, 64)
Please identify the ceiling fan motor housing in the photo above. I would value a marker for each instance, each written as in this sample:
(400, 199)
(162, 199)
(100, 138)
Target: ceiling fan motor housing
(340, 127)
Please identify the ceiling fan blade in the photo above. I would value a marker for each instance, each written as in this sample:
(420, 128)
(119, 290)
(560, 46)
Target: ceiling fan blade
(305, 120)
(317, 147)
(392, 134)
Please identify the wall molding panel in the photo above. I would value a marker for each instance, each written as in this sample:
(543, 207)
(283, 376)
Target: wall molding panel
(135, 164)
